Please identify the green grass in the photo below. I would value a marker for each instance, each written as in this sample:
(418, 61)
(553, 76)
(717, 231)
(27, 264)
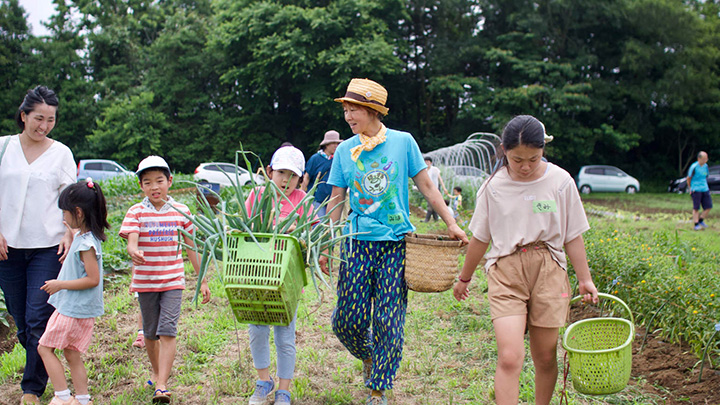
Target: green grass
(449, 354)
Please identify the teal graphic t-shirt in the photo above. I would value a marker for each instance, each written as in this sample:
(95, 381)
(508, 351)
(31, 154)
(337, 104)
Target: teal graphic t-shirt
(377, 185)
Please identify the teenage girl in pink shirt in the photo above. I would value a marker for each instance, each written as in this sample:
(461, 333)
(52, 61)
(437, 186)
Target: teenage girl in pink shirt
(529, 209)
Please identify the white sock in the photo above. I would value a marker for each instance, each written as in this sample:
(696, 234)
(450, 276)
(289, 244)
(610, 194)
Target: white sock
(63, 395)
(83, 399)
(140, 331)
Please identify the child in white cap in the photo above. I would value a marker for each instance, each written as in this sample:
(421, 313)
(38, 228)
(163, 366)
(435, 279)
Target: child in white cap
(151, 229)
(285, 170)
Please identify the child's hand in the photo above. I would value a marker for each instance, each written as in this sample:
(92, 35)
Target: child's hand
(137, 256)
(588, 291)
(205, 290)
(460, 290)
(323, 261)
(52, 286)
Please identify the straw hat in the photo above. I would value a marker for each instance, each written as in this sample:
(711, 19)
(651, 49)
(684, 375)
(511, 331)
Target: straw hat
(366, 93)
(331, 137)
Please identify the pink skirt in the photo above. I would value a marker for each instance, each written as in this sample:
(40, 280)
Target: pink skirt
(64, 332)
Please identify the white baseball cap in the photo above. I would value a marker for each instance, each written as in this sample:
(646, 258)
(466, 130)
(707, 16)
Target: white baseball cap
(152, 161)
(288, 158)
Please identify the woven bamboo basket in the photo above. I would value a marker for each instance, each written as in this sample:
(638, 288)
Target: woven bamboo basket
(431, 262)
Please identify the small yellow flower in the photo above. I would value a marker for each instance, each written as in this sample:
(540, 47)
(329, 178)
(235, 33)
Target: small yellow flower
(616, 231)
(643, 282)
(712, 295)
(649, 264)
(616, 238)
(615, 292)
(694, 312)
(677, 278)
(679, 288)
(693, 249)
(601, 241)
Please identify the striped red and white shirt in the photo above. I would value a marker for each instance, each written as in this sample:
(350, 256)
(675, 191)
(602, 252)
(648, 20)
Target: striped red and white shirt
(163, 269)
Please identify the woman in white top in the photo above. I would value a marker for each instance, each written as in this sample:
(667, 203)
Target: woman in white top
(34, 169)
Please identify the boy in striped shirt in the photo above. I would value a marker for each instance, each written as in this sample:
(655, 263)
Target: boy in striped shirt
(151, 229)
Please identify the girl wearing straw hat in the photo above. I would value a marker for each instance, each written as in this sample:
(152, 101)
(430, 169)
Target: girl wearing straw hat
(374, 167)
(530, 210)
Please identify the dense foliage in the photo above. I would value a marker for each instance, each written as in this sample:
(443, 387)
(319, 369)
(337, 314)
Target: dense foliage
(626, 82)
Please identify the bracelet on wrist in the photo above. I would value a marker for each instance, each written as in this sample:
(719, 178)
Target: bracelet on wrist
(464, 281)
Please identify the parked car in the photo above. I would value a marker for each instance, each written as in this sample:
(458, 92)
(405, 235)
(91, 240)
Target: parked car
(224, 174)
(713, 179)
(599, 178)
(101, 169)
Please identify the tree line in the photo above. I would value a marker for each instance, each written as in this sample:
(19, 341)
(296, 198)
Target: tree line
(633, 83)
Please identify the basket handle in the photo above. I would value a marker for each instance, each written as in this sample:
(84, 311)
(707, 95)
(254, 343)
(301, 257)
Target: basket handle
(613, 298)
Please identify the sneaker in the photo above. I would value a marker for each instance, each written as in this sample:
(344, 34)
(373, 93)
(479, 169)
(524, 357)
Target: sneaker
(282, 397)
(367, 370)
(703, 224)
(263, 389)
(381, 400)
(139, 341)
(698, 227)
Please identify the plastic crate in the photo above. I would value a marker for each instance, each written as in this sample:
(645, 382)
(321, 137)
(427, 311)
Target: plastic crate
(263, 280)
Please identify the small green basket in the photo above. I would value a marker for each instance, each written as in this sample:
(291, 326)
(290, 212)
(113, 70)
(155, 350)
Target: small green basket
(600, 351)
(263, 280)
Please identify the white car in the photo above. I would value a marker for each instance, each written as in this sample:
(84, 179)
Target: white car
(605, 178)
(225, 174)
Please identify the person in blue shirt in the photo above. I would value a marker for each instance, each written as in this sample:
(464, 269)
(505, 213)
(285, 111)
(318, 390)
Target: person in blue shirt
(317, 171)
(699, 190)
(372, 170)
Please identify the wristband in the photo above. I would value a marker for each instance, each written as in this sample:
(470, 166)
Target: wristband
(465, 281)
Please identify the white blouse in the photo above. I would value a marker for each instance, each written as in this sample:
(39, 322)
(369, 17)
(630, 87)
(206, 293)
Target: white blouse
(29, 214)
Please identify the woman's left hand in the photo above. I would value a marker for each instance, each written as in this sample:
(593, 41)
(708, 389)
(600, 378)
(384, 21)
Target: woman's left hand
(456, 232)
(65, 243)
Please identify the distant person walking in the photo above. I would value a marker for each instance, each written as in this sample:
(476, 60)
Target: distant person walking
(699, 190)
(437, 180)
(318, 169)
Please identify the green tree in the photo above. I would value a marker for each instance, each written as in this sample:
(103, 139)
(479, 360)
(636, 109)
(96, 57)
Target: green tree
(130, 130)
(283, 63)
(14, 57)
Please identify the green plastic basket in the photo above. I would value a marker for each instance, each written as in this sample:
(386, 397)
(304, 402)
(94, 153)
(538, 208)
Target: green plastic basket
(263, 281)
(600, 351)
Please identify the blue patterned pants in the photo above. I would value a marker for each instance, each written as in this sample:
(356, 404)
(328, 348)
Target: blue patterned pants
(372, 290)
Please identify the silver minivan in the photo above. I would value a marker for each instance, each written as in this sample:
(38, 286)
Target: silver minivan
(600, 178)
(101, 169)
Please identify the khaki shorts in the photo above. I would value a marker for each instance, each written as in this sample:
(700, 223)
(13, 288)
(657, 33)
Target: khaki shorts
(529, 282)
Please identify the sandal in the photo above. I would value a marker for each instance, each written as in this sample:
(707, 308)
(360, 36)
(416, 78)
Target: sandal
(161, 397)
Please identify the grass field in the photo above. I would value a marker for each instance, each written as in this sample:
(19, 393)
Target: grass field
(449, 354)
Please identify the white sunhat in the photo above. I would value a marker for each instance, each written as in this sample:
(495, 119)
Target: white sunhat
(152, 161)
(288, 158)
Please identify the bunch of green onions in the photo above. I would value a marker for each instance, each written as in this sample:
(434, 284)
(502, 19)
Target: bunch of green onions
(316, 235)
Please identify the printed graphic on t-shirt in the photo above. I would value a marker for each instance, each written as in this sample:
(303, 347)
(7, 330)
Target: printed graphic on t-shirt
(374, 187)
(162, 231)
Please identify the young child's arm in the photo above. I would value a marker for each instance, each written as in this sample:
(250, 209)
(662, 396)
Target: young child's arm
(475, 252)
(576, 252)
(193, 257)
(91, 280)
(137, 255)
